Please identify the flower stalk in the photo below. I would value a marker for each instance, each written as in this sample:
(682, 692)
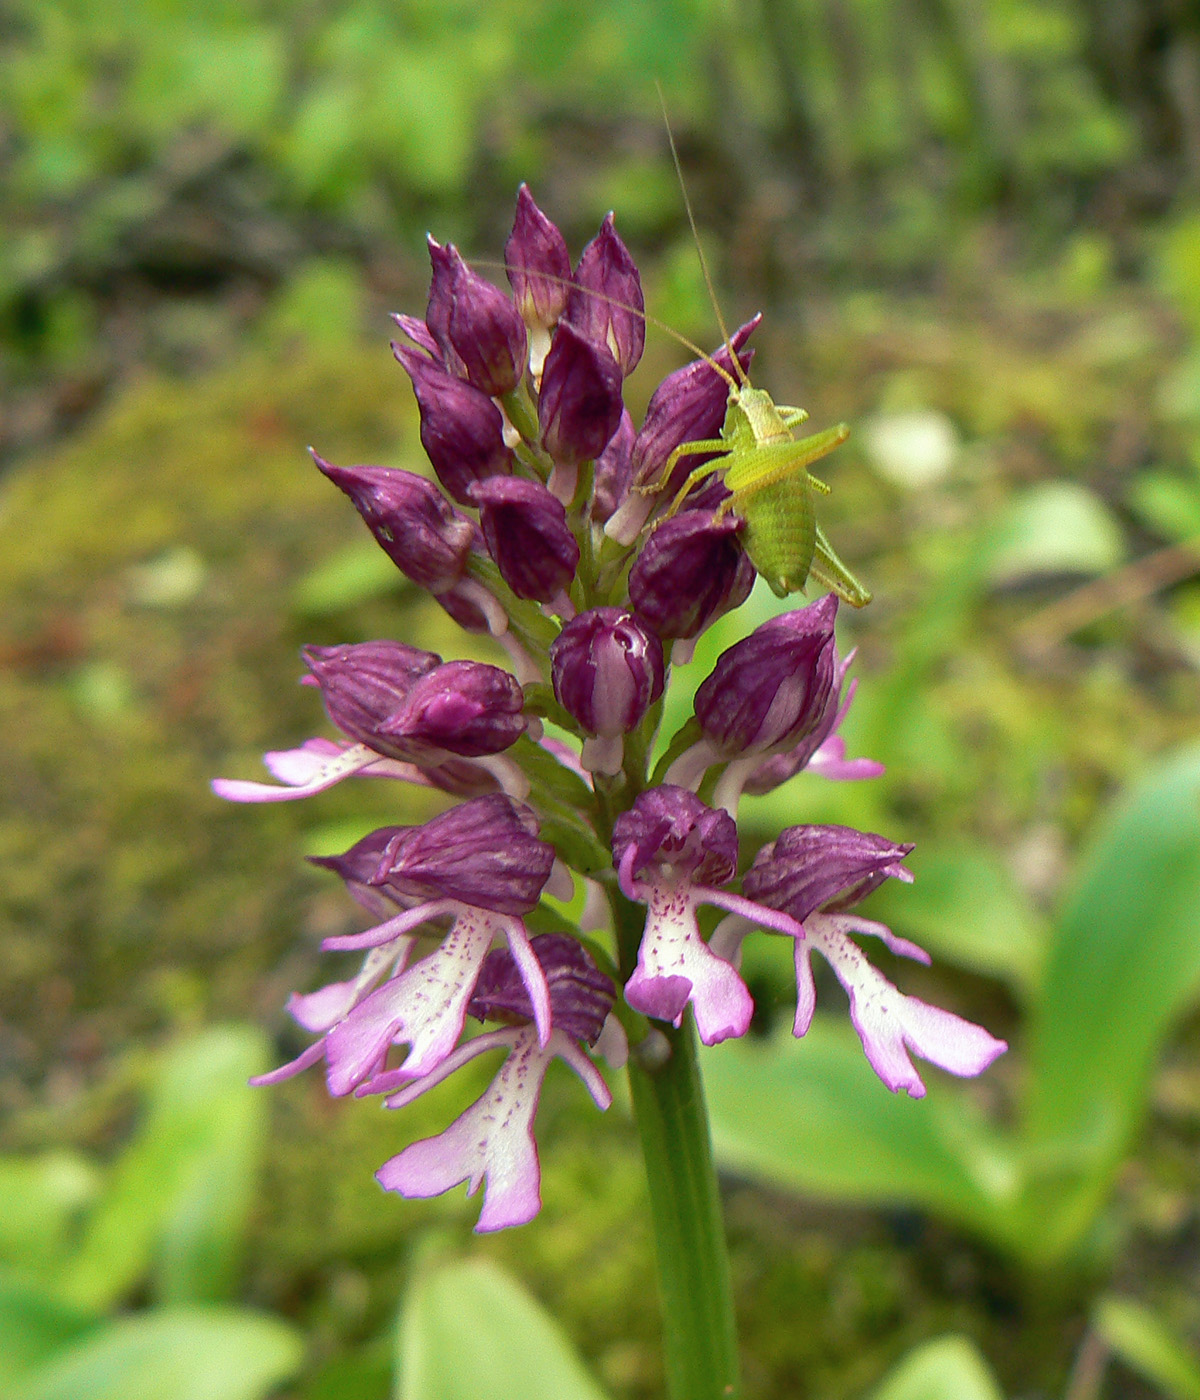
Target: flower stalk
(700, 1353)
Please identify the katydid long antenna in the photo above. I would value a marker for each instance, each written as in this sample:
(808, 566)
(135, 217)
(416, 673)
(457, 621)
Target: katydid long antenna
(499, 265)
(687, 204)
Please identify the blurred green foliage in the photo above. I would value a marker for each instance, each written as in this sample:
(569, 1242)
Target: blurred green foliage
(173, 143)
(168, 1217)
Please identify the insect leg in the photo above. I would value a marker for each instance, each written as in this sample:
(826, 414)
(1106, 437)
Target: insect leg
(685, 449)
(829, 570)
(697, 474)
(792, 417)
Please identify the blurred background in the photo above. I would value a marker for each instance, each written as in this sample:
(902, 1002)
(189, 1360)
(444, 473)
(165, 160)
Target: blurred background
(975, 233)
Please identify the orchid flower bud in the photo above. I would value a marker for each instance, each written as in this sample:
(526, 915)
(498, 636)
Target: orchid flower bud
(475, 324)
(606, 303)
(416, 526)
(462, 430)
(579, 408)
(607, 670)
(527, 535)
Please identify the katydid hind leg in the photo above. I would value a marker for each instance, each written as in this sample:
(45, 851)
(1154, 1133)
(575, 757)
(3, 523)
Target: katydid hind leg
(831, 573)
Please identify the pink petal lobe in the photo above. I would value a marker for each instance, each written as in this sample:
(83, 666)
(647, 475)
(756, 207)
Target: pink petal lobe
(324, 772)
(424, 1007)
(676, 966)
(490, 1144)
(890, 1024)
(830, 761)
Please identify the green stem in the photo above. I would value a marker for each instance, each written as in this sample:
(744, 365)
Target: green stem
(699, 1331)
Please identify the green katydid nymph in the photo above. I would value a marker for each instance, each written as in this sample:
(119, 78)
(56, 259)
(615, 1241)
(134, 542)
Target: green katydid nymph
(765, 469)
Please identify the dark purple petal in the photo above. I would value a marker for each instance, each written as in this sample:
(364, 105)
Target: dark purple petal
(607, 670)
(417, 527)
(614, 471)
(691, 570)
(419, 333)
(688, 405)
(606, 304)
(464, 608)
(477, 326)
(358, 864)
(824, 749)
(579, 408)
(526, 530)
(581, 996)
(441, 299)
(362, 685)
(484, 852)
(669, 827)
(539, 266)
(771, 688)
(463, 707)
(822, 867)
(462, 430)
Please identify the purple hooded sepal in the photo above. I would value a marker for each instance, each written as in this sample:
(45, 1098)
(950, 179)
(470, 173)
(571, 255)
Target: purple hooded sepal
(606, 303)
(484, 853)
(607, 670)
(475, 324)
(830, 868)
(671, 829)
(408, 704)
(687, 406)
(691, 571)
(538, 264)
(614, 471)
(492, 1142)
(462, 430)
(416, 526)
(527, 535)
(581, 996)
(771, 689)
(823, 751)
(579, 408)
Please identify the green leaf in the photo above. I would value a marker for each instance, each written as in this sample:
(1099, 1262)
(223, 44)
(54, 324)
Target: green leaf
(1168, 503)
(810, 1114)
(1145, 1345)
(470, 1332)
(180, 1193)
(43, 1197)
(33, 1326)
(172, 1354)
(949, 1368)
(1123, 963)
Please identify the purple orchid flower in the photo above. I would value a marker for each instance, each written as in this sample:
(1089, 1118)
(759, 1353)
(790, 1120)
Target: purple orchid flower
(816, 874)
(671, 852)
(492, 1143)
(408, 713)
(479, 866)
